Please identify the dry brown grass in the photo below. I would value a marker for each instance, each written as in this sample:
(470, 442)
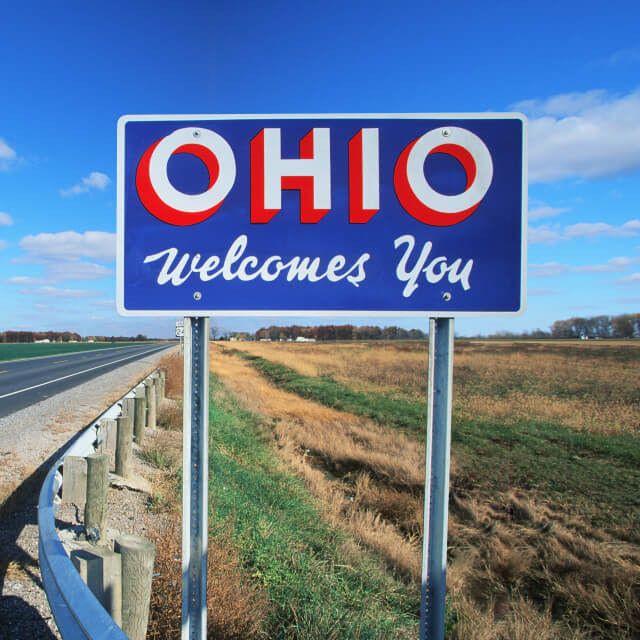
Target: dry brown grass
(520, 548)
(235, 608)
(372, 366)
(520, 565)
(169, 415)
(172, 364)
(551, 381)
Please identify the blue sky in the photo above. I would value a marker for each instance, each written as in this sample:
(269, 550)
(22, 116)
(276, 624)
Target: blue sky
(69, 70)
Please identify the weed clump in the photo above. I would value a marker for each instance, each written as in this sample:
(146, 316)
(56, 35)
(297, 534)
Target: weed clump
(170, 415)
(235, 608)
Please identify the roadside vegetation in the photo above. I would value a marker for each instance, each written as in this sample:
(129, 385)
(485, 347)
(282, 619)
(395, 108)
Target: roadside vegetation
(317, 480)
(544, 509)
(236, 604)
(277, 568)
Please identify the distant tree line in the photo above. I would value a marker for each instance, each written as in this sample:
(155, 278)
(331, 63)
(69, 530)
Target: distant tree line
(622, 326)
(62, 336)
(32, 336)
(338, 332)
(139, 338)
(626, 325)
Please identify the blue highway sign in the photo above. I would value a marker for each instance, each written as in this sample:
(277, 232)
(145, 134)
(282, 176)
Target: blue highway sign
(377, 214)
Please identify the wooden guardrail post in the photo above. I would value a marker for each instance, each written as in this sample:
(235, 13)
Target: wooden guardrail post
(124, 446)
(163, 381)
(95, 509)
(101, 570)
(137, 570)
(139, 416)
(128, 406)
(157, 386)
(74, 486)
(109, 428)
(151, 402)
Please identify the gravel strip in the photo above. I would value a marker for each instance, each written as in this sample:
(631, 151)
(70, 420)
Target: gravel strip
(30, 442)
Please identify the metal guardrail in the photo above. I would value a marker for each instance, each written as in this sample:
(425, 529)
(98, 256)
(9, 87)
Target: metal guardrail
(77, 612)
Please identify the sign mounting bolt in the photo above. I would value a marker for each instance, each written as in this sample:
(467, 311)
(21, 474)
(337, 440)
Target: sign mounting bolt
(446, 133)
(446, 296)
(196, 133)
(197, 296)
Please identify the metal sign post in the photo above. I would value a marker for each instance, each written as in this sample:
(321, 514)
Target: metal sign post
(180, 333)
(195, 472)
(436, 495)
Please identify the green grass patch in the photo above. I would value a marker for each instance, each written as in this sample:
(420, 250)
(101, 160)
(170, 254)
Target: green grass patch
(160, 458)
(317, 589)
(19, 350)
(398, 413)
(599, 475)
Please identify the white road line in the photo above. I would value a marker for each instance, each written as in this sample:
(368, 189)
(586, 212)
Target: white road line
(77, 373)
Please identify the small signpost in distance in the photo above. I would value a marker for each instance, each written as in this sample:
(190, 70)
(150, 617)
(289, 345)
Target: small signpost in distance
(383, 215)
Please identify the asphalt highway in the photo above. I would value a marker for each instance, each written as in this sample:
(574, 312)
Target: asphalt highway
(26, 382)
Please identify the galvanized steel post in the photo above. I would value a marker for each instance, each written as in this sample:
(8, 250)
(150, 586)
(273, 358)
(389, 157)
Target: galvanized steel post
(436, 497)
(195, 467)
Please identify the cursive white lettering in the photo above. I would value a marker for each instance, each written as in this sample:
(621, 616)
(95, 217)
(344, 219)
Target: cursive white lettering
(434, 271)
(235, 265)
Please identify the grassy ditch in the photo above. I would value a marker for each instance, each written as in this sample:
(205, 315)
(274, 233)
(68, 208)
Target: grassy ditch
(319, 584)
(399, 413)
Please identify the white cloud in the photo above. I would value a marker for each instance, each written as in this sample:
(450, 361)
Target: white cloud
(554, 269)
(55, 292)
(545, 211)
(543, 235)
(552, 234)
(622, 56)
(27, 280)
(70, 246)
(564, 104)
(3, 244)
(548, 270)
(543, 292)
(615, 265)
(6, 152)
(583, 135)
(632, 279)
(59, 271)
(104, 303)
(596, 229)
(7, 155)
(95, 180)
(5, 219)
